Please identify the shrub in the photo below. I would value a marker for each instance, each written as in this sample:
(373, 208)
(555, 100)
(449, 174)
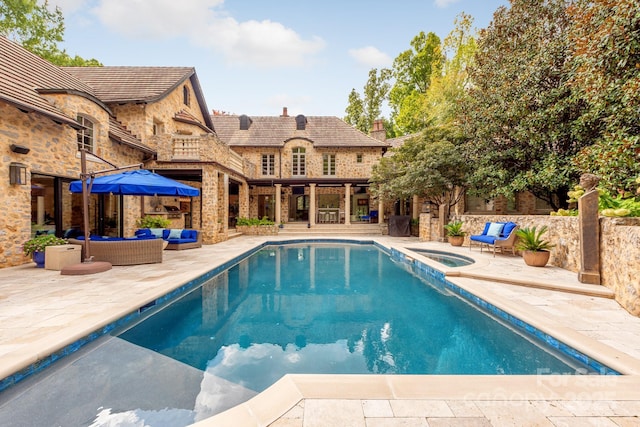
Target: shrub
(37, 244)
(153, 221)
(254, 221)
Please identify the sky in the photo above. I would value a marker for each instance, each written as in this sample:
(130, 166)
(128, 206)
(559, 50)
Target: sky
(255, 57)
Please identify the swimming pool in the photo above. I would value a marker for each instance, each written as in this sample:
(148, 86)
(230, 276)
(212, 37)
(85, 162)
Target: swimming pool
(186, 386)
(446, 258)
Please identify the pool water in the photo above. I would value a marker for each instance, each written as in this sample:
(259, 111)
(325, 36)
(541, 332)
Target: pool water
(447, 258)
(334, 309)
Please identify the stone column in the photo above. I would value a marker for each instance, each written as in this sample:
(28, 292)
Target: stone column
(415, 211)
(347, 204)
(243, 197)
(312, 204)
(589, 238)
(278, 203)
(380, 210)
(443, 218)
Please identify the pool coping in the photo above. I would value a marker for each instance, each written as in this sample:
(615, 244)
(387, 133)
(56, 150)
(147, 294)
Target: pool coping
(83, 330)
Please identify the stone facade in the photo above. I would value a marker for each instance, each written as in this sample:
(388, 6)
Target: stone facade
(619, 247)
(53, 154)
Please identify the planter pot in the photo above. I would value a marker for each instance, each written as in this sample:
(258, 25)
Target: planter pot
(536, 259)
(38, 258)
(456, 240)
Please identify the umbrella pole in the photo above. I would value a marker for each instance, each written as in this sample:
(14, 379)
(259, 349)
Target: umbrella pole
(85, 203)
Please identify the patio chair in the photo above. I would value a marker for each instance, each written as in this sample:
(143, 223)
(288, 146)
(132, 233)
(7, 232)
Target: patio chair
(498, 236)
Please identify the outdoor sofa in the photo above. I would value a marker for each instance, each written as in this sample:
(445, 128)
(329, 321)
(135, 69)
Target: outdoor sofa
(123, 251)
(497, 236)
(176, 238)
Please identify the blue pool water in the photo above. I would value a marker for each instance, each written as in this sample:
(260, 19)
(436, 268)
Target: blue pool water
(334, 309)
(446, 258)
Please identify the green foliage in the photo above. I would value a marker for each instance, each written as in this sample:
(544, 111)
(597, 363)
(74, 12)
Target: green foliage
(153, 221)
(254, 221)
(430, 165)
(39, 30)
(361, 113)
(623, 205)
(520, 110)
(39, 243)
(454, 228)
(413, 70)
(606, 46)
(530, 239)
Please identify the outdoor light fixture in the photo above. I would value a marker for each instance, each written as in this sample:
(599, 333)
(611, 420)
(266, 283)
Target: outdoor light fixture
(20, 149)
(18, 174)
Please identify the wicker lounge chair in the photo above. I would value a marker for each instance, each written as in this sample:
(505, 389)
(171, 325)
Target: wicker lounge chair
(497, 236)
(126, 251)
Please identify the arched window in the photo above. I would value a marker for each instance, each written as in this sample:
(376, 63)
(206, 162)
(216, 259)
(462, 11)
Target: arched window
(85, 135)
(298, 162)
(186, 95)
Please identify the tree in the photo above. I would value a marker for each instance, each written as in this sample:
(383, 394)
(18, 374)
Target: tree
(606, 49)
(520, 113)
(39, 30)
(430, 165)
(413, 70)
(361, 113)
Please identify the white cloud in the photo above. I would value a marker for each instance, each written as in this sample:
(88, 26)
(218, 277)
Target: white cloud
(260, 43)
(370, 56)
(444, 3)
(204, 22)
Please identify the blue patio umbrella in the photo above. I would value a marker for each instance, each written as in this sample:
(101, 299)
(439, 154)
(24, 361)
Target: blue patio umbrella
(138, 182)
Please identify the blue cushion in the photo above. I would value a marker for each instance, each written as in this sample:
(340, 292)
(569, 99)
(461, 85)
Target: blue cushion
(495, 229)
(484, 239)
(508, 228)
(143, 232)
(189, 234)
(486, 228)
(181, 241)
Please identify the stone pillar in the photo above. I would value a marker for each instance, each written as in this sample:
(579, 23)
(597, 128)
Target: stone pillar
(312, 204)
(347, 204)
(589, 238)
(380, 210)
(443, 218)
(278, 203)
(243, 197)
(415, 211)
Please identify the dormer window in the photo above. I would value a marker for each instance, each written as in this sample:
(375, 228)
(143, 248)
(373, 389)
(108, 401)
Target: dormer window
(245, 122)
(301, 122)
(186, 95)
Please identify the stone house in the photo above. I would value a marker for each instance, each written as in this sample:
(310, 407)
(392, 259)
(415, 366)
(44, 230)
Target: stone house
(310, 169)
(152, 116)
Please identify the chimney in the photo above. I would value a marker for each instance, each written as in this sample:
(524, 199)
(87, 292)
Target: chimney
(378, 131)
(284, 112)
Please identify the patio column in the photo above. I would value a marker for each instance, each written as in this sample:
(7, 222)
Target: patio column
(278, 203)
(380, 210)
(415, 211)
(347, 204)
(312, 204)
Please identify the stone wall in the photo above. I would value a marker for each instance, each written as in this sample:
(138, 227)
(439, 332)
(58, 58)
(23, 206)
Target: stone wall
(258, 230)
(619, 247)
(53, 153)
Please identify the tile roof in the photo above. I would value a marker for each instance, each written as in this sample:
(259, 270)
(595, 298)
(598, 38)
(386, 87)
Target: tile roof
(400, 140)
(186, 117)
(121, 135)
(273, 131)
(131, 84)
(23, 75)
(139, 84)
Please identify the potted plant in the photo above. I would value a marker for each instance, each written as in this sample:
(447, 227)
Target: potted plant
(535, 250)
(455, 235)
(35, 247)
